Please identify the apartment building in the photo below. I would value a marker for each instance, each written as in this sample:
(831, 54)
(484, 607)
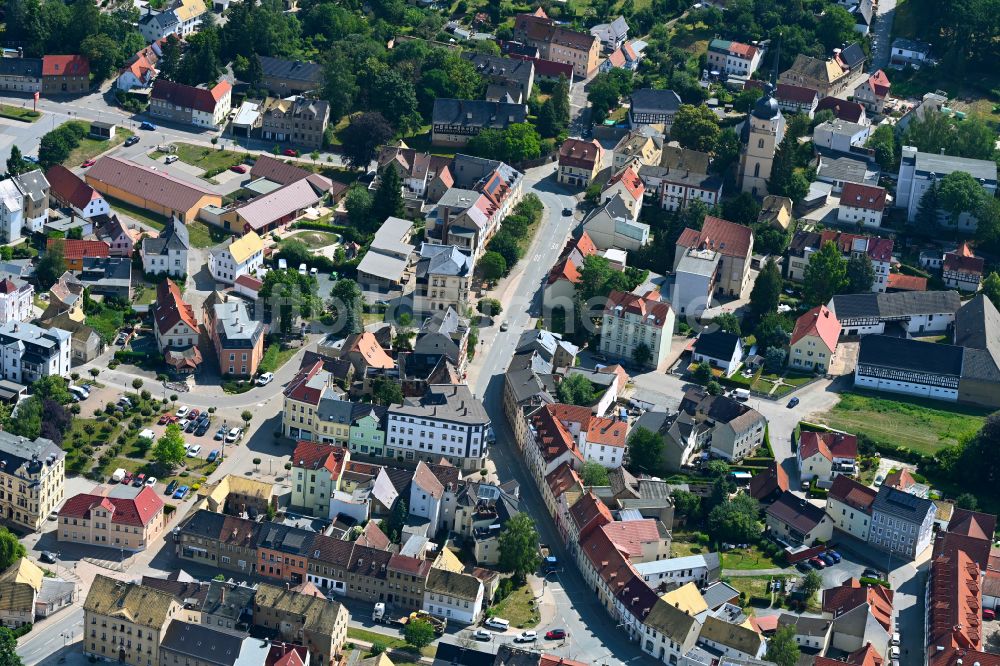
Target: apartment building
(454, 596)
(34, 473)
(317, 623)
(579, 162)
(734, 245)
(806, 243)
(167, 253)
(283, 551)
(239, 256)
(849, 505)
(296, 120)
(636, 328)
(290, 77)
(455, 121)
(443, 278)
(189, 105)
(862, 204)
(918, 171)
(29, 352)
(447, 422)
(902, 524)
(557, 43)
(125, 518)
(316, 470)
(733, 58)
(175, 326)
(23, 75)
(238, 340)
(126, 622)
(219, 541)
(16, 300)
(65, 75)
(302, 397)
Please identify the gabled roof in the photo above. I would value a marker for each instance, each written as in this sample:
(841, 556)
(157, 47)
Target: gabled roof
(277, 171)
(245, 247)
(830, 445)
(170, 308)
(630, 181)
(78, 249)
(136, 603)
(173, 237)
(848, 491)
(796, 512)
(425, 479)
(156, 186)
(717, 344)
(367, 346)
(589, 513)
(903, 282)
(580, 153)
(651, 311)
(313, 455)
(818, 322)
(868, 197)
(786, 92)
(630, 536)
(851, 594)
(190, 97)
(728, 238)
(65, 65)
(737, 637)
(843, 109)
(293, 70)
(972, 524)
(771, 480)
(69, 187)
(136, 511)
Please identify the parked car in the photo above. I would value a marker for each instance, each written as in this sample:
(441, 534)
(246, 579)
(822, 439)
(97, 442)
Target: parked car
(191, 426)
(505, 326)
(146, 125)
(213, 455)
(482, 635)
(835, 555)
(235, 435)
(165, 419)
(291, 152)
(151, 481)
(803, 567)
(171, 487)
(139, 480)
(878, 481)
(793, 402)
(895, 638)
(526, 637)
(170, 159)
(555, 634)
(127, 479)
(180, 493)
(567, 212)
(183, 411)
(872, 573)
(131, 141)
(48, 557)
(202, 429)
(989, 614)
(194, 451)
(817, 563)
(194, 413)
(238, 168)
(220, 434)
(265, 379)
(894, 652)
(88, 163)
(829, 561)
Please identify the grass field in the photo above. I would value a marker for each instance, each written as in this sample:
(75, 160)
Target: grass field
(685, 543)
(753, 586)
(390, 642)
(202, 235)
(207, 157)
(144, 294)
(90, 148)
(19, 113)
(749, 558)
(926, 426)
(275, 357)
(158, 222)
(519, 609)
(315, 239)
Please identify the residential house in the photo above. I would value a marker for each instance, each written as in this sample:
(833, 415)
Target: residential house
(16, 300)
(902, 524)
(842, 136)
(298, 120)
(733, 58)
(637, 148)
(26, 594)
(121, 238)
(176, 328)
(845, 110)
(21, 75)
(34, 189)
(599, 439)
(837, 169)
(107, 276)
(367, 432)
(798, 521)
(282, 552)
(448, 422)
(364, 351)
(849, 505)
(302, 397)
(507, 79)
(669, 633)
(34, 473)
(814, 340)
(189, 14)
(918, 313)
(188, 105)
(796, 99)
(653, 107)
(611, 225)
(125, 518)
(612, 35)
(733, 243)
(826, 455)
(636, 328)
(805, 243)
(731, 428)
(627, 56)
(238, 340)
(444, 332)
(873, 92)
(222, 542)
(290, 77)
(811, 633)
(768, 484)
(579, 162)
(454, 596)
(141, 71)
(443, 277)
(558, 43)
(720, 349)
(29, 352)
(317, 623)
(65, 75)
(126, 621)
(316, 469)
(862, 204)
(674, 187)
(909, 52)
(669, 573)
(734, 641)
(227, 607)
(425, 177)
(150, 189)
(862, 614)
(776, 212)
(455, 121)
(962, 270)
(242, 256)
(168, 252)
(827, 77)
(560, 284)
(626, 185)
(917, 171)
(74, 251)
(203, 645)
(155, 26)
(271, 211)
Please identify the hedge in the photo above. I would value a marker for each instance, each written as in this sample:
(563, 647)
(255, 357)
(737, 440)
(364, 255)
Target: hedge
(868, 580)
(348, 233)
(760, 602)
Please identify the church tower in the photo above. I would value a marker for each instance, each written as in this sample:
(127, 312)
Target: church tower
(763, 130)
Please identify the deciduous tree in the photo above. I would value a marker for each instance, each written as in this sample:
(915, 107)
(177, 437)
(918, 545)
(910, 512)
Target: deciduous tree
(782, 648)
(362, 138)
(594, 474)
(825, 275)
(169, 450)
(695, 127)
(518, 544)
(766, 292)
(860, 275)
(645, 451)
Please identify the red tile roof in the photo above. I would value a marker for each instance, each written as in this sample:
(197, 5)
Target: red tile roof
(828, 444)
(190, 97)
(630, 536)
(852, 112)
(409, 565)
(600, 430)
(868, 197)
(373, 536)
(640, 305)
(65, 65)
(901, 282)
(76, 250)
(972, 524)
(286, 654)
(7, 286)
(564, 269)
(313, 455)
(562, 478)
(851, 594)
(554, 660)
(589, 513)
(69, 187)
(962, 260)
(630, 180)
(579, 153)
(553, 438)
(137, 511)
(848, 491)
(879, 83)
(298, 389)
(878, 249)
(901, 479)
(728, 238)
(607, 560)
(249, 282)
(786, 92)
(585, 245)
(955, 603)
(170, 308)
(367, 346)
(769, 481)
(819, 322)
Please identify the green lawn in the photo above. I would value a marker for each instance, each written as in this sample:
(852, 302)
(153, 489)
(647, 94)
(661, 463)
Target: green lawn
(519, 608)
(750, 558)
(106, 323)
(203, 235)
(90, 148)
(144, 294)
(315, 239)
(753, 586)
(685, 543)
(211, 159)
(926, 426)
(275, 357)
(150, 218)
(19, 113)
(390, 642)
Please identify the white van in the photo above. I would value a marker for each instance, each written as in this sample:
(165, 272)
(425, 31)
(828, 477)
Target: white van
(282, 264)
(742, 394)
(497, 623)
(314, 271)
(302, 269)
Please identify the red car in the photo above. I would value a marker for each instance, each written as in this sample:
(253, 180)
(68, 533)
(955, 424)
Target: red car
(238, 168)
(193, 414)
(165, 419)
(817, 563)
(89, 163)
(555, 634)
(127, 479)
(291, 152)
(989, 614)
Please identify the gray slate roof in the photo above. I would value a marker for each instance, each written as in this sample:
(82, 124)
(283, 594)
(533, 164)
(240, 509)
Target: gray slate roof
(295, 70)
(647, 100)
(477, 113)
(442, 260)
(902, 505)
(895, 305)
(913, 355)
(445, 402)
(173, 237)
(201, 642)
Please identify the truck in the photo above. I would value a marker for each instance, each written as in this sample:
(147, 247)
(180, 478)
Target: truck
(380, 614)
(118, 475)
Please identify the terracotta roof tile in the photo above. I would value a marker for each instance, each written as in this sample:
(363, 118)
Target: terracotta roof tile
(728, 238)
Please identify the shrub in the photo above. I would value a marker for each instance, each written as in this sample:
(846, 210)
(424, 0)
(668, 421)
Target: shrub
(867, 580)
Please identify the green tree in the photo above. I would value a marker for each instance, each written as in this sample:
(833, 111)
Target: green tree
(16, 164)
(53, 149)
(102, 52)
(642, 354)
(773, 330)
(247, 416)
(518, 544)
(979, 468)
(505, 244)
(811, 584)
(386, 391)
(576, 390)
(782, 648)
(347, 301)
(741, 209)
(489, 307)
(645, 451)
(960, 193)
(991, 288)
(493, 266)
(713, 388)
(825, 275)
(774, 359)
(727, 152)
(695, 127)
(418, 633)
(783, 168)
(798, 187)
(362, 138)
(8, 648)
(51, 266)
(290, 296)
(11, 549)
(702, 373)
(359, 202)
(388, 199)
(169, 450)
(548, 125)
(735, 521)
(836, 27)
(883, 142)
(605, 90)
(517, 143)
(967, 501)
(728, 322)
(927, 209)
(686, 503)
(594, 474)
(860, 275)
(560, 101)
